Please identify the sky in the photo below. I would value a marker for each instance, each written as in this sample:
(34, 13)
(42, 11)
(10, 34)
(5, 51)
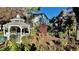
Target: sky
(51, 11)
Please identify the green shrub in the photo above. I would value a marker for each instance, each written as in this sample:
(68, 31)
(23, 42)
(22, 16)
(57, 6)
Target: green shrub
(64, 42)
(26, 42)
(12, 45)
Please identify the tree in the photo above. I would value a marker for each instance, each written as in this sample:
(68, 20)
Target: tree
(28, 13)
(6, 13)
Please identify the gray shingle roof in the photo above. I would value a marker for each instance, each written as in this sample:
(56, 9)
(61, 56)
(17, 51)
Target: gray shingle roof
(17, 22)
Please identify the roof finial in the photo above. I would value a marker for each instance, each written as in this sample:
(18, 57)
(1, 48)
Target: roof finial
(17, 16)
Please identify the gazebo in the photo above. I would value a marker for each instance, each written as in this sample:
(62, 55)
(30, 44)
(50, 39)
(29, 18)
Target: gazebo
(16, 27)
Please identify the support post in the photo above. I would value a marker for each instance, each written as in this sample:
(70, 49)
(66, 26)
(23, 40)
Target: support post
(8, 33)
(4, 30)
(29, 29)
(20, 34)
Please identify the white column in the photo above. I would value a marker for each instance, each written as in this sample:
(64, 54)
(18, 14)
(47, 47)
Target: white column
(4, 30)
(8, 33)
(20, 34)
(29, 29)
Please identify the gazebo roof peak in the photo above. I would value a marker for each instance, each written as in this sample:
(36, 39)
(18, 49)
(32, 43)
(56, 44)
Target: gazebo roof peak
(18, 16)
